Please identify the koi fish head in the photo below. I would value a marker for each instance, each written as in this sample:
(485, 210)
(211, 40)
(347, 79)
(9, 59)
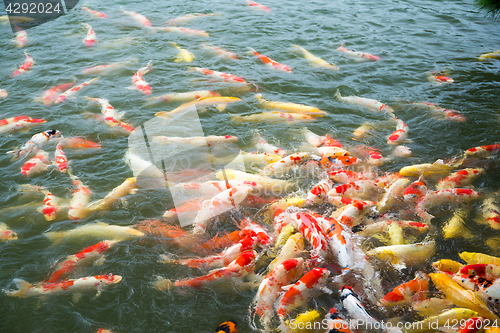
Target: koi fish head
(7, 235)
(230, 326)
(109, 279)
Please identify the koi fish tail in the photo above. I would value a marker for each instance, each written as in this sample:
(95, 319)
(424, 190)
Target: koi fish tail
(162, 284)
(337, 95)
(251, 51)
(22, 288)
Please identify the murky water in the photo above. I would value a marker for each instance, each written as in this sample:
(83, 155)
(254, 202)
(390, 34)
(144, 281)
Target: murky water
(411, 37)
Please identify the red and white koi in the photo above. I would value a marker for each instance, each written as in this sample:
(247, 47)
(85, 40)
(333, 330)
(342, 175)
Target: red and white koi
(266, 147)
(447, 114)
(302, 291)
(219, 76)
(78, 204)
(184, 97)
(13, 124)
(415, 190)
(400, 135)
(26, 66)
(222, 202)
(69, 286)
(285, 164)
(49, 96)
(372, 104)
(318, 193)
(439, 78)
(213, 187)
(3, 93)
(141, 19)
(6, 234)
(346, 176)
(111, 117)
(453, 195)
(483, 151)
(72, 91)
(293, 248)
(359, 56)
(189, 17)
(270, 62)
(138, 79)
(61, 161)
(34, 144)
(351, 214)
(224, 54)
(282, 275)
(354, 307)
(184, 31)
(312, 231)
(459, 178)
(21, 38)
(488, 271)
(240, 267)
(95, 13)
(401, 255)
(51, 207)
(80, 261)
(411, 291)
(256, 5)
(91, 37)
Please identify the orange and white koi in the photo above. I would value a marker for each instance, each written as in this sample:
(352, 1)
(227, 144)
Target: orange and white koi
(263, 145)
(78, 204)
(95, 13)
(346, 176)
(224, 54)
(312, 231)
(256, 231)
(447, 114)
(61, 161)
(329, 151)
(78, 142)
(283, 274)
(400, 135)
(184, 207)
(270, 62)
(80, 261)
(351, 214)
(239, 268)
(69, 286)
(483, 151)
(360, 189)
(34, 144)
(222, 202)
(383, 227)
(289, 107)
(402, 255)
(438, 78)
(335, 323)
(139, 81)
(111, 117)
(26, 66)
(359, 56)
(354, 307)
(184, 97)
(302, 291)
(213, 187)
(318, 193)
(254, 4)
(453, 195)
(72, 91)
(21, 38)
(219, 76)
(415, 190)
(6, 235)
(459, 178)
(269, 184)
(13, 124)
(49, 96)
(3, 93)
(189, 17)
(312, 59)
(372, 104)
(272, 117)
(51, 207)
(91, 37)
(141, 19)
(339, 240)
(285, 164)
(184, 31)
(411, 291)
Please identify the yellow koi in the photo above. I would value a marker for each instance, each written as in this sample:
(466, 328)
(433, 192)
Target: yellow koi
(447, 266)
(183, 55)
(289, 107)
(288, 118)
(455, 227)
(435, 322)
(402, 255)
(472, 258)
(491, 55)
(428, 169)
(313, 60)
(293, 247)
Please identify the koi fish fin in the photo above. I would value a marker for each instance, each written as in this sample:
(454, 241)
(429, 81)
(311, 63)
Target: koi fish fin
(77, 297)
(399, 266)
(22, 288)
(162, 284)
(221, 107)
(259, 97)
(251, 51)
(287, 287)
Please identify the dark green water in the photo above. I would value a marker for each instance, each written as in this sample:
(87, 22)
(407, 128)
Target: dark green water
(411, 37)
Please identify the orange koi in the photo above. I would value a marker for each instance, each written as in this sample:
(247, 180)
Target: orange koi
(270, 62)
(414, 290)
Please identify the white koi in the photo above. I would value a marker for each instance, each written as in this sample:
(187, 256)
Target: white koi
(129, 186)
(184, 31)
(366, 102)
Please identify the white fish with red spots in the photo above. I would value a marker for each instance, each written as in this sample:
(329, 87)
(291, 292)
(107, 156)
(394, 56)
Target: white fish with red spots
(435, 198)
(400, 135)
(91, 37)
(78, 204)
(139, 18)
(73, 91)
(183, 97)
(359, 56)
(138, 79)
(18, 123)
(26, 66)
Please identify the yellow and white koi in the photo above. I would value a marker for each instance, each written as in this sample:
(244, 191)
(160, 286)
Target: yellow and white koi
(6, 235)
(312, 59)
(289, 107)
(270, 185)
(455, 227)
(472, 258)
(183, 55)
(141, 19)
(184, 97)
(72, 91)
(447, 266)
(263, 145)
(459, 178)
(60, 159)
(490, 214)
(220, 102)
(224, 54)
(359, 56)
(491, 55)
(402, 255)
(262, 159)
(393, 195)
(443, 320)
(362, 131)
(129, 186)
(273, 117)
(197, 141)
(91, 37)
(366, 102)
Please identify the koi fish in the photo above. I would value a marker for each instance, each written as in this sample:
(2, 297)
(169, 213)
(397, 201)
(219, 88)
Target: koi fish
(383, 226)
(92, 231)
(459, 296)
(404, 294)
(51, 208)
(362, 131)
(428, 169)
(61, 161)
(351, 214)
(138, 80)
(487, 271)
(263, 145)
(293, 248)
(230, 326)
(491, 55)
(490, 214)
(312, 59)
(80, 261)
(393, 195)
(272, 117)
(49, 96)
(302, 290)
(312, 138)
(346, 176)
(438, 78)
(129, 186)
(213, 187)
(184, 31)
(21, 38)
(305, 319)
(197, 141)
(25, 67)
(453, 195)
(183, 55)
(95, 13)
(289, 107)
(270, 62)
(447, 114)
(339, 240)
(487, 289)
(318, 193)
(355, 309)
(6, 235)
(141, 19)
(483, 151)
(447, 266)
(219, 76)
(401, 151)
(3, 93)
(415, 190)
(455, 227)
(366, 102)
(472, 258)
(285, 164)
(261, 159)
(107, 68)
(310, 229)
(472, 325)
(400, 135)
(258, 6)
(359, 56)
(460, 178)
(335, 323)
(91, 37)
(72, 91)
(18, 123)
(34, 144)
(78, 204)
(78, 143)
(431, 306)
(268, 184)
(240, 267)
(401, 255)
(69, 286)
(361, 189)
(184, 97)
(189, 17)
(220, 102)
(111, 117)
(460, 315)
(224, 54)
